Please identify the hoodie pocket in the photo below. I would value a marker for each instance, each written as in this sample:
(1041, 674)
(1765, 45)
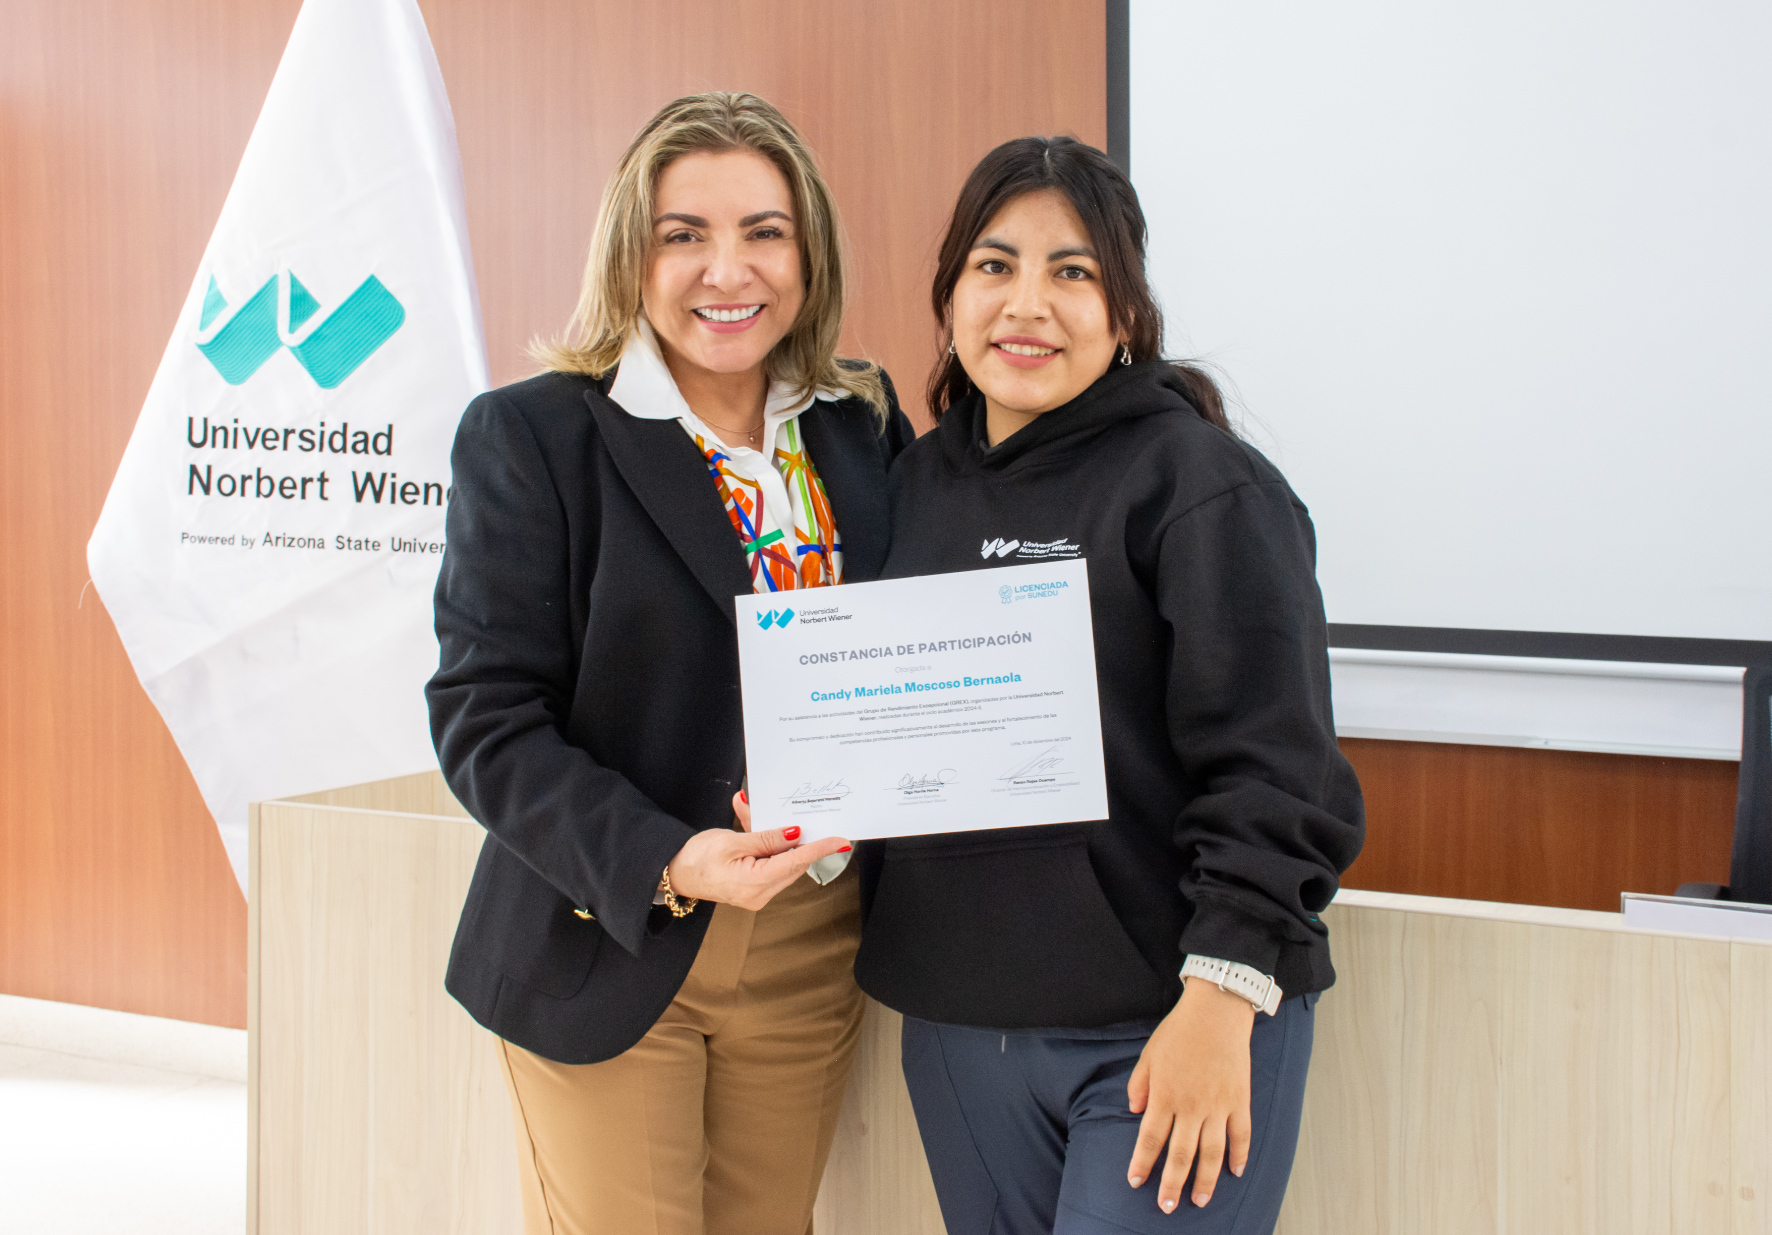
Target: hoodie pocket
(1011, 933)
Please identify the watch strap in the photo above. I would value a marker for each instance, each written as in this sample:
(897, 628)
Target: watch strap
(1244, 980)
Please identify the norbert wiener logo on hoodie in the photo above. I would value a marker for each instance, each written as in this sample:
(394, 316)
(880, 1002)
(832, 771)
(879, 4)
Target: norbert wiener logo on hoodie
(1030, 550)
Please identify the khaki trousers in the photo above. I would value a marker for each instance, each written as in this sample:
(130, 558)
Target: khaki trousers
(719, 1120)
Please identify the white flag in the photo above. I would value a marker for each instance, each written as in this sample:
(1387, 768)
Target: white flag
(271, 539)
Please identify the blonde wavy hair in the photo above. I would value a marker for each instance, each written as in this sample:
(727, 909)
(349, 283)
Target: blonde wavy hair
(621, 248)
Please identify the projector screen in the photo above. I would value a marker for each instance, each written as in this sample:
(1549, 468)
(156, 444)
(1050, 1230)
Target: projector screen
(1492, 284)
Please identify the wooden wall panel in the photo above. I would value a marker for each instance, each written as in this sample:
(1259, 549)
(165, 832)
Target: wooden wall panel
(898, 101)
(1538, 827)
(121, 124)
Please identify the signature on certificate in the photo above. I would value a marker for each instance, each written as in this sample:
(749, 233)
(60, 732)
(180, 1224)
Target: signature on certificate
(1044, 763)
(830, 791)
(927, 780)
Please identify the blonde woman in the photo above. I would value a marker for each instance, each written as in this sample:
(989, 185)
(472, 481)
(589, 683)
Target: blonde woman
(674, 996)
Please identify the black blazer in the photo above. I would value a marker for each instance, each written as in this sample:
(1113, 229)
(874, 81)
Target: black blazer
(586, 708)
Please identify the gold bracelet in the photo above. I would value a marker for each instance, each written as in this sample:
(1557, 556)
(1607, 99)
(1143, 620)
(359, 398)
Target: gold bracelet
(678, 908)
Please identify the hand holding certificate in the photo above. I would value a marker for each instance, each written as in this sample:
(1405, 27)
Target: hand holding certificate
(941, 703)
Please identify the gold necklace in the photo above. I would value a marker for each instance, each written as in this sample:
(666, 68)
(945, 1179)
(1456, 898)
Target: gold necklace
(725, 431)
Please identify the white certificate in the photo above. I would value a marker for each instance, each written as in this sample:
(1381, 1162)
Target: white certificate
(943, 703)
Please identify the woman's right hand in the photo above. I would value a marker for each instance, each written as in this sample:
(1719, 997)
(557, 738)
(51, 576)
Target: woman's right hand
(745, 868)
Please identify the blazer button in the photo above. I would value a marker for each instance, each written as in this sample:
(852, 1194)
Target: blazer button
(587, 917)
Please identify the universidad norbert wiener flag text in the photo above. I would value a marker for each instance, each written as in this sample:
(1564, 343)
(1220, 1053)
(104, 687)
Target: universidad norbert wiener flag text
(269, 545)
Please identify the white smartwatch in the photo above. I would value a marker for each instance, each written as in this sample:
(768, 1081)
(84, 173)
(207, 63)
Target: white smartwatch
(1245, 980)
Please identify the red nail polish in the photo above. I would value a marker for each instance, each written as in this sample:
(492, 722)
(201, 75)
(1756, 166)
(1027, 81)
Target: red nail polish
(744, 797)
(845, 848)
(791, 833)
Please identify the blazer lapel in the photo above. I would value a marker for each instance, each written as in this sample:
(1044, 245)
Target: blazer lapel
(850, 464)
(670, 477)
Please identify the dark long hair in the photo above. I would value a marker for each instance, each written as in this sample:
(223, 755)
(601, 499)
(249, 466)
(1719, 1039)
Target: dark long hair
(1108, 205)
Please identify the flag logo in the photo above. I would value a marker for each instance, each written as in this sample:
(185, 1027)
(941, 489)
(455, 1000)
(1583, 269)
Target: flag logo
(279, 314)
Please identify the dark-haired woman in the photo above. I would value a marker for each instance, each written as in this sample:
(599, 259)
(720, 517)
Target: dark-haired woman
(1096, 1012)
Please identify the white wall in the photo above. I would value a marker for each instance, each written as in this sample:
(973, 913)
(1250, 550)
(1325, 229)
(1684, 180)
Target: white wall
(1494, 283)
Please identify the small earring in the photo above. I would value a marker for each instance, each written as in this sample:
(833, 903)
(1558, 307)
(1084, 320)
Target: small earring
(951, 351)
(1125, 354)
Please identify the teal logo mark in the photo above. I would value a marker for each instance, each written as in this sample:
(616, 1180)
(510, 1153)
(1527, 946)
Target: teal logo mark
(775, 617)
(238, 343)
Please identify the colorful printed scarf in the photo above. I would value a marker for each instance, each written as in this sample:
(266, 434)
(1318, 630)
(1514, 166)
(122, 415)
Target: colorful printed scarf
(807, 554)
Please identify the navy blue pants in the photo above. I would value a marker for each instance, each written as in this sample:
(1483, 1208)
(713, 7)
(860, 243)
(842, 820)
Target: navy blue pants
(1031, 1134)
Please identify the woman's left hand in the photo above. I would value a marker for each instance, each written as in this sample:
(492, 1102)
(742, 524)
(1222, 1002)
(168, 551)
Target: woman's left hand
(1192, 1086)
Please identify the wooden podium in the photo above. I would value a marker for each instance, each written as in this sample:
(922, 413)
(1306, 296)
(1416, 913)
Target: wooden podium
(1479, 1067)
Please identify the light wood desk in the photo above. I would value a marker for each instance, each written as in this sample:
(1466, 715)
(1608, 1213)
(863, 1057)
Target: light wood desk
(1479, 1067)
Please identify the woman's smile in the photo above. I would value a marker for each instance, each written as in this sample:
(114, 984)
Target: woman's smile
(1023, 351)
(727, 318)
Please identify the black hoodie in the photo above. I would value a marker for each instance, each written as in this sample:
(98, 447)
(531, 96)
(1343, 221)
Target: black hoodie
(1231, 809)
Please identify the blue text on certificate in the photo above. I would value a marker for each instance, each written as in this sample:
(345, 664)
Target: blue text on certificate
(911, 688)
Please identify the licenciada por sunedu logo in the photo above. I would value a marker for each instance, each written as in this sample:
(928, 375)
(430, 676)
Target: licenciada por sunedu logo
(1042, 590)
